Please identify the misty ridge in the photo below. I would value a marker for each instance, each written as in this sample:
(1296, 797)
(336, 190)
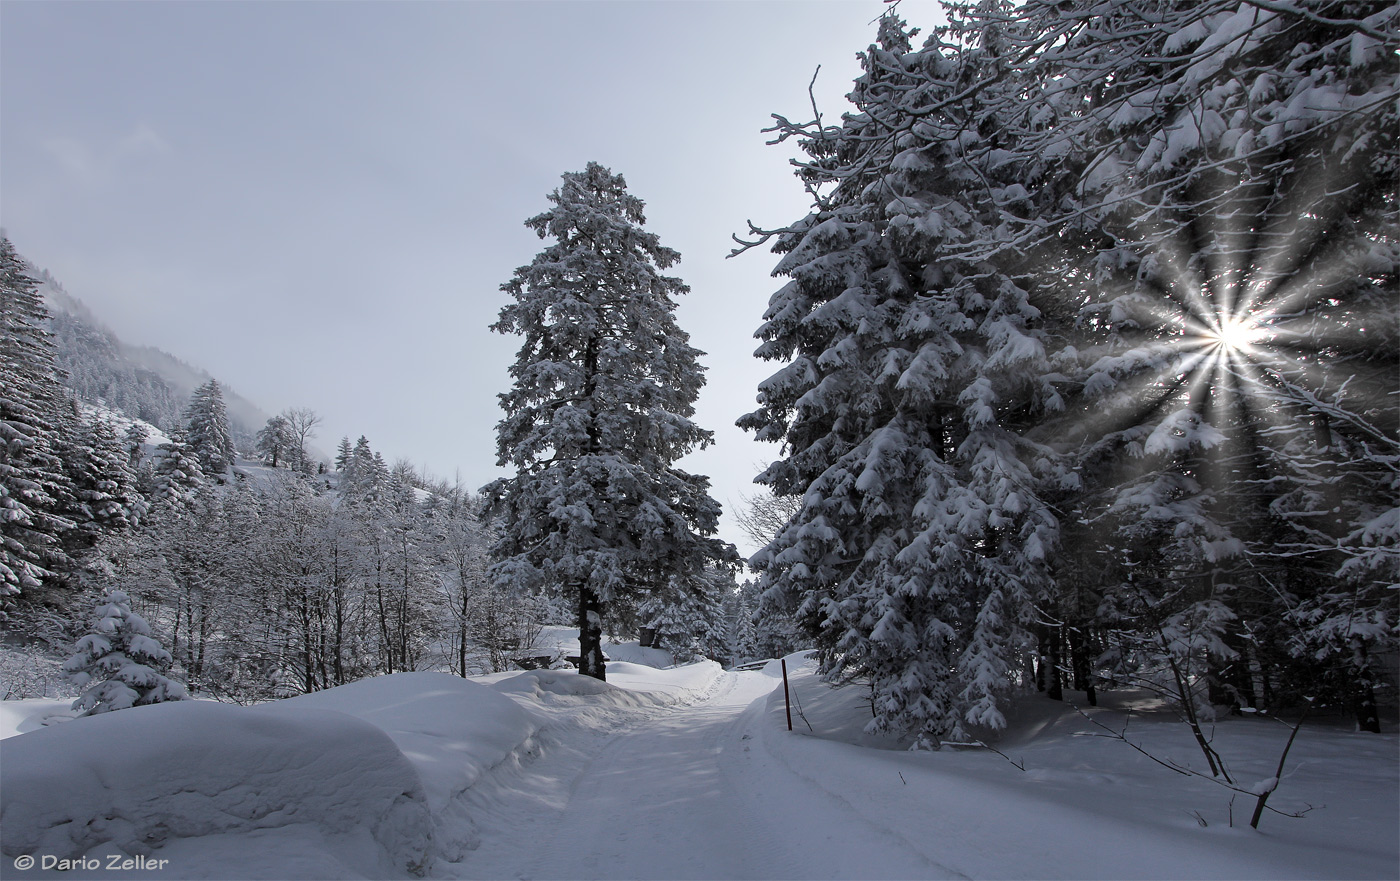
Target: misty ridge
(142, 381)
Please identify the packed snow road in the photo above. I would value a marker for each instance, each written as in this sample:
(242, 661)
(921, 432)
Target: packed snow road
(680, 792)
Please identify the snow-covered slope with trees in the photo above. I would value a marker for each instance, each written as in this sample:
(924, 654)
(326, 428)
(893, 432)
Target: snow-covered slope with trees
(140, 381)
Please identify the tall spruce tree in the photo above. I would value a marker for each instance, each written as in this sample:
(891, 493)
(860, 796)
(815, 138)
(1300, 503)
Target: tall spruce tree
(103, 494)
(207, 429)
(32, 478)
(599, 412)
(912, 378)
(173, 479)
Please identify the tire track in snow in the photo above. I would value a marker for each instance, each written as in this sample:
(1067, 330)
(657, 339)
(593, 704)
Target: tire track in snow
(678, 792)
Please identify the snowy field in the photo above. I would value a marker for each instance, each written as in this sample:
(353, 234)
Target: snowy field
(687, 772)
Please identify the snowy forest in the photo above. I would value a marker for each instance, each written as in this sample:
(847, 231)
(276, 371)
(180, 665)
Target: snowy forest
(1084, 377)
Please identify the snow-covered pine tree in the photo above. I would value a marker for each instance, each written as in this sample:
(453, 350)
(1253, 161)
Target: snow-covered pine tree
(361, 471)
(118, 664)
(599, 412)
(740, 634)
(1216, 194)
(104, 497)
(135, 439)
(343, 454)
(207, 429)
(175, 476)
(913, 376)
(31, 473)
(775, 633)
(688, 615)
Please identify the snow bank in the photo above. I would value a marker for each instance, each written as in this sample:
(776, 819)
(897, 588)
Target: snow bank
(450, 729)
(562, 642)
(31, 714)
(551, 694)
(824, 711)
(366, 780)
(955, 805)
(144, 777)
(686, 684)
(633, 653)
(629, 685)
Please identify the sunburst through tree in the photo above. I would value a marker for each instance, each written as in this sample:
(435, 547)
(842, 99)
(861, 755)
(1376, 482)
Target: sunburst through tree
(1252, 385)
(1089, 360)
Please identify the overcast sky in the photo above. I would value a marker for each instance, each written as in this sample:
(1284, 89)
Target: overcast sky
(318, 202)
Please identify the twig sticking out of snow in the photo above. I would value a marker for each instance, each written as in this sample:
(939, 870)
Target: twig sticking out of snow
(1021, 765)
(1261, 790)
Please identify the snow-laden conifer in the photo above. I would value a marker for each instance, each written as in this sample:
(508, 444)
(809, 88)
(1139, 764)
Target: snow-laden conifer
(175, 476)
(32, 479)
(599, 411)
(207, 429)
(912, 379)
(688, 615)
(104, 497)
(342, 455)
(135, 441)
(1150, 267)
(1217, 198)
(118, 664)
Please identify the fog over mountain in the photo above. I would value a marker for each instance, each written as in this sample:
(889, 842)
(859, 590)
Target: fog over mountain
(141, 381)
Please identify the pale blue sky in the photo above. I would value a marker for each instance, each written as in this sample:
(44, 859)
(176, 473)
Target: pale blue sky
(318, 202)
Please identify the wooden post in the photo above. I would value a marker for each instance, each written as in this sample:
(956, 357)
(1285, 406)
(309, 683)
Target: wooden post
(787, 702)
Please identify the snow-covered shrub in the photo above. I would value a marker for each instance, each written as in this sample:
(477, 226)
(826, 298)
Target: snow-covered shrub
(117, 663)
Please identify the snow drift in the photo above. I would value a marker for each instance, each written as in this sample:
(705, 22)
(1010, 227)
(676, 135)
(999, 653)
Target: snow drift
(138, 779)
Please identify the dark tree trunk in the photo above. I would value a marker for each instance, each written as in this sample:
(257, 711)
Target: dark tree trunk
(1041, 660)
(590, 634)
(1367, 719)
(339, 598)
(1231, 682)
(1055, 687)
(1079, 662)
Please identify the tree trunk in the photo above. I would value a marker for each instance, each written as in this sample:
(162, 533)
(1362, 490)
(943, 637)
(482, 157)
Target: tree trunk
(590, 634)
(338, 596)
(1055, 687)
(1367, 719)
(1080, 664)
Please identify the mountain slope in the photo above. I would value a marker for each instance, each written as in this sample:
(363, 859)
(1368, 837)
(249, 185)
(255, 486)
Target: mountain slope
(141, 381)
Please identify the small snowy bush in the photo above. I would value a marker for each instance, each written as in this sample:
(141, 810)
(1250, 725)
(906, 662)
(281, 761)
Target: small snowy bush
(117, 663)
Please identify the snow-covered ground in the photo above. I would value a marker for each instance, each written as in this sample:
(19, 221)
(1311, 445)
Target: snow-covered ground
(687, 772)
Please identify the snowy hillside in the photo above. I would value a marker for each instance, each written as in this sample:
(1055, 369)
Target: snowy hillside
(121, 422)
(140, 381)
(688, 772)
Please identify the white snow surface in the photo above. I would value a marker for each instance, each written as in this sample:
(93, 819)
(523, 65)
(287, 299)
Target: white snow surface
(19, 717)
(687, 772)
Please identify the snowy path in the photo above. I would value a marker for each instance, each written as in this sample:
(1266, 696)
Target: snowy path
(684, 792)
